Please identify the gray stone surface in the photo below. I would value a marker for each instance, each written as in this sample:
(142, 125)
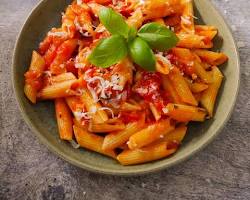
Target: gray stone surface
(29, 171)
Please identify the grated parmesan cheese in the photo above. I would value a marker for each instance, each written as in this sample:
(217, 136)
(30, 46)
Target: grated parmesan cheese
(58, 34)
(89, 115)
(165, 110)
(108, 109)
(101, 90)
(79, 2)
(186, 20)
(141, 2)
(165, 60)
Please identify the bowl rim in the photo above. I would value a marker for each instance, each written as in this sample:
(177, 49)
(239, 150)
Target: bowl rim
(116, 172)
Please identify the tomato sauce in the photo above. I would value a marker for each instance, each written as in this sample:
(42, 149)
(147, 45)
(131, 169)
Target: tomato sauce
(149, 86)
(128, 117)
(34, 79)
(185, 66)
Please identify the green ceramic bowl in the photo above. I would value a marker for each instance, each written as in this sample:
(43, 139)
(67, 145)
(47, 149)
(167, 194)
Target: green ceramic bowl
(41, 118)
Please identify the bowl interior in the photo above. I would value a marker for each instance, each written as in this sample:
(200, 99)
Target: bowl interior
(41, 118)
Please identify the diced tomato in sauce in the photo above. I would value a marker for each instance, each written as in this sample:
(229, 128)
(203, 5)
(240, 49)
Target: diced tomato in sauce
(149, 86)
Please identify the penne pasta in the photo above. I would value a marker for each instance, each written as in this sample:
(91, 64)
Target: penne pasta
(81, 125)
(99, 116)
(184, 113)
(37, 62)
(136, 19)
(150, 134)
(105, 127)
(176, 135)
(207, 31)
(209, 35)
(192, 41)
(30, 93)
(125, 71)
(162, 65)
(58, 90)
(209, 96)
(187, 18)
(114, 140)
(156, 113)
(37, 67)
(196, 87)
(146, 154)
(202, 73)
(181, 87)
(64, 52)
(63, 77)
(210, 57)
(169, 88)
(183, 53)
(91, 141)
(64, 119)
(161, 8)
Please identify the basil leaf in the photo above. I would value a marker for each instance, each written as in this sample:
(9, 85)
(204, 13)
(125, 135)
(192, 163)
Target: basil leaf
(109, 51)
(158, 37)
(132, 33)
(114, 22)
(141, 54)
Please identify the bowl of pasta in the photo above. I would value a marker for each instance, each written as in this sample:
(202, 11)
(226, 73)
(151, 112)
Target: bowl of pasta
(125, 87)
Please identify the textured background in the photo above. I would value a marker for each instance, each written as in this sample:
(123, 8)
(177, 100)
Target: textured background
(29, 171)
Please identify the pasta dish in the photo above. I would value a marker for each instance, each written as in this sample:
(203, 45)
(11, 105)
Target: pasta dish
(127, 76)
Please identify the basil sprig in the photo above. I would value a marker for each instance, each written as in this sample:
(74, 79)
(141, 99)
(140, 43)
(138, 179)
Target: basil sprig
(141, 54)
(113, 22)
(157, 36)
(109, 51)
(127, 40)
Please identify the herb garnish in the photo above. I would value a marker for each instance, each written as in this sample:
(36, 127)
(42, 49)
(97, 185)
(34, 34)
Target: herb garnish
(127, 40)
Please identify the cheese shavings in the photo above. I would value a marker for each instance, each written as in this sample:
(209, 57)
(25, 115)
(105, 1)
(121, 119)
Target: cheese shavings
(92, 111)
(58, 34)
(164, 60)
(186, 20)
(79, 2)
(103, 88)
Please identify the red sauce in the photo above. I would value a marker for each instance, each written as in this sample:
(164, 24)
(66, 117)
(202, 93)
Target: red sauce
(34, 79)
(70, 66)
(173, 145)
(50, 55)
(207, 40)
(63, 53)
(149, 86)
(184, 65)
(128, 117)
(44, 45)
